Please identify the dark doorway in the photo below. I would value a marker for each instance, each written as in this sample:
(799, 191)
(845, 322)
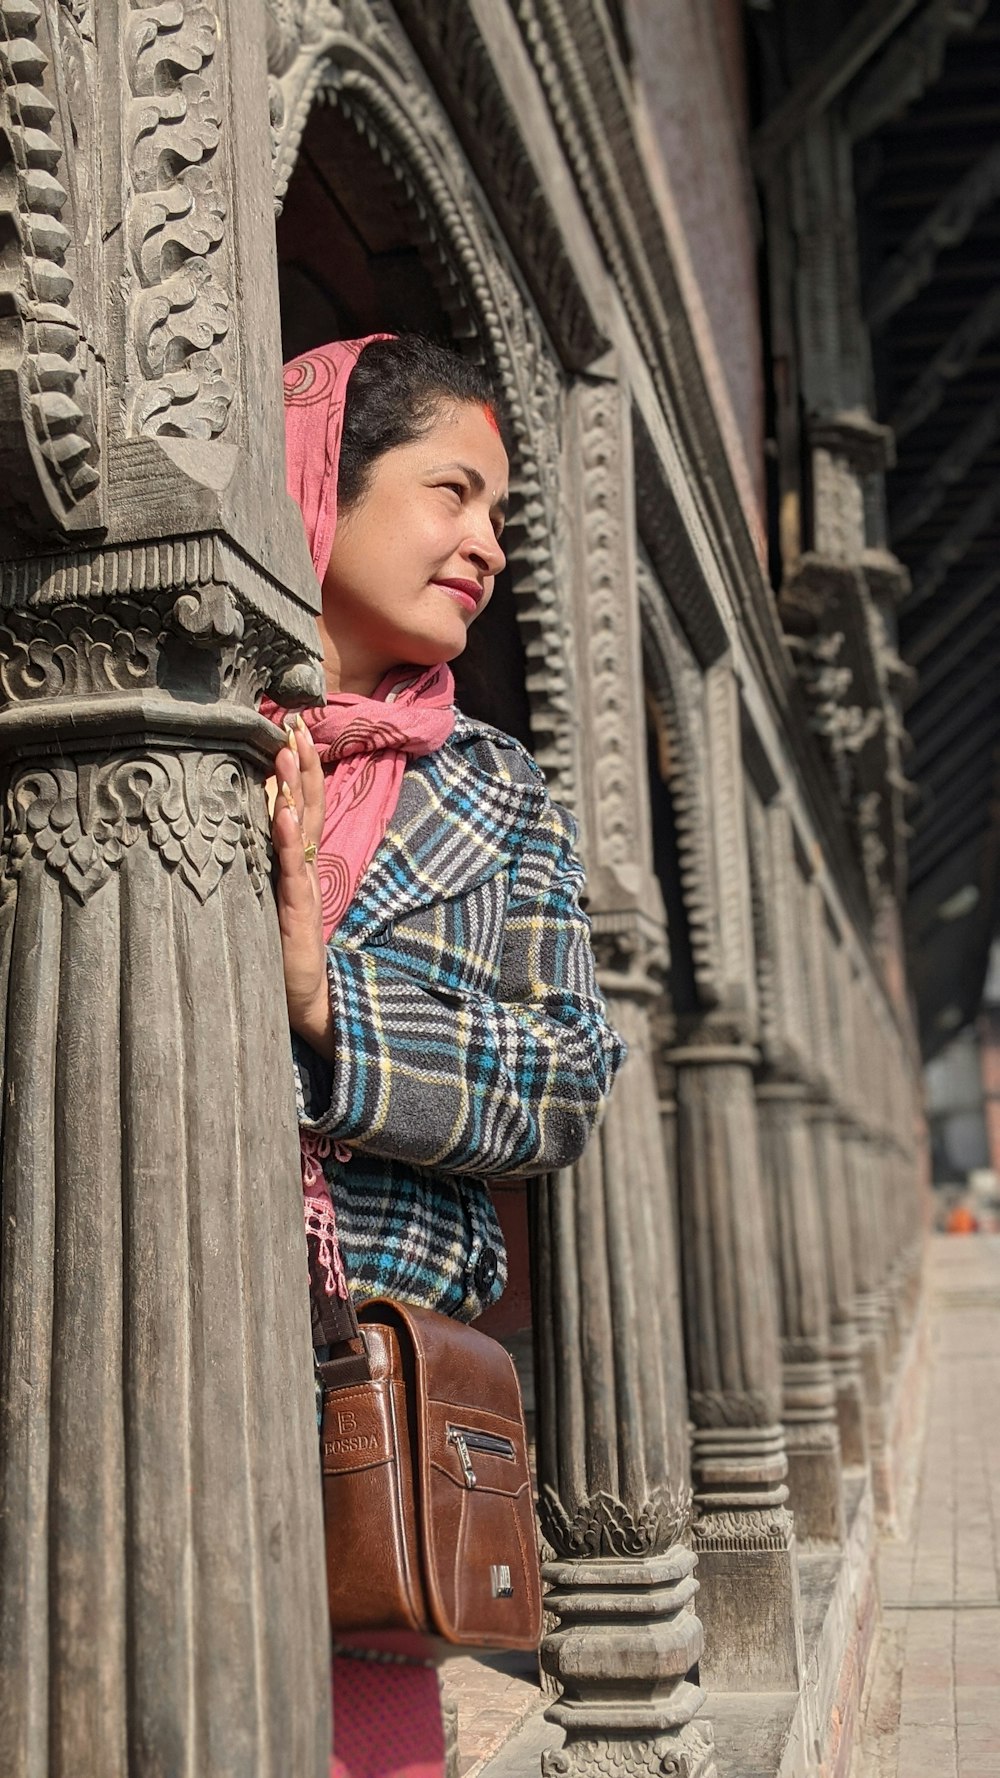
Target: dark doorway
(350, 261)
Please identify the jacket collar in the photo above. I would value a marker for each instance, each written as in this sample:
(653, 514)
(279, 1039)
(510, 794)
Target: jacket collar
(457, 823)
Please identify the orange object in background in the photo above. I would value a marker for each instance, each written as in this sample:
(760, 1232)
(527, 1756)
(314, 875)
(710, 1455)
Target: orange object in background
(961, 1221)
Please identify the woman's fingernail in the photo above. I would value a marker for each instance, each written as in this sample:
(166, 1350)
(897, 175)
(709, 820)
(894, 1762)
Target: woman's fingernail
(300, 725)
(290, 737)
(289, 799)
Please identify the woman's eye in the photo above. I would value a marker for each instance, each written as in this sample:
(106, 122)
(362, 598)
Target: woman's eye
(455, 488)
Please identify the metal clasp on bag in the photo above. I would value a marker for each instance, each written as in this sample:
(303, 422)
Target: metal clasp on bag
(456, 1437)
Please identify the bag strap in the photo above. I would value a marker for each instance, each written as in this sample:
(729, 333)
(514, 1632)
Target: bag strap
(335, 1321)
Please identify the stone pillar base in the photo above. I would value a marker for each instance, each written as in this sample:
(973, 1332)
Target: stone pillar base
(851, 1418)
(750, 1599)
(627, 1638)
(744, 1539)
(815, 1492)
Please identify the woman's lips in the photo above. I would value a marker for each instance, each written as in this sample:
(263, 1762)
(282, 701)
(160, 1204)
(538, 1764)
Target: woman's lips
(468, 592)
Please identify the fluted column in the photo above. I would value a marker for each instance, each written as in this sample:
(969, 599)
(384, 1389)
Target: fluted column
(742, 1530)
(162, 1604)
(845, 1347)
(808, 1396)
(614, 1496)
(869, 1297)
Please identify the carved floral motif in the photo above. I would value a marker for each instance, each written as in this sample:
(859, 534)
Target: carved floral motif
(49, 456)
(285, 24)
(81, 820)
(602, 1525)
(844, 728)
(77, 651)
(619, 839)
(688, 1754)
(177, 221)
(770, 1527)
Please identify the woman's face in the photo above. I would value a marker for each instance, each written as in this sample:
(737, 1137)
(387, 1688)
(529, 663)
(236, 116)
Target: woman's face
(413, 563)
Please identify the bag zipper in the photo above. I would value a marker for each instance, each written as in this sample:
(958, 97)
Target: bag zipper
(467, 1438)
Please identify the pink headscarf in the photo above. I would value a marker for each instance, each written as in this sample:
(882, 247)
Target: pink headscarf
(363, 742)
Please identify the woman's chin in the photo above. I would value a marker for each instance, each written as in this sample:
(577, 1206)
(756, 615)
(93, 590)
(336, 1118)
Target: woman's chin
(444, 643)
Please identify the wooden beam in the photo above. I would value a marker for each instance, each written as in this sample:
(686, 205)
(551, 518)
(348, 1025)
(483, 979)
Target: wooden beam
(968, 814)
(828, 77)
(954, 545)
(956, 758)
(949, 803)
(957, 609)
(943, 734)
(911, 267)
(919, 869)
(909, 65)
(922, 723)
(953, 465)
(943, 664)
(951, 361)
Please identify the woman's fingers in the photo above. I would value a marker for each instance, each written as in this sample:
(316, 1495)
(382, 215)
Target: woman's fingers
(296, 884)
(288, 774)
(311, 780)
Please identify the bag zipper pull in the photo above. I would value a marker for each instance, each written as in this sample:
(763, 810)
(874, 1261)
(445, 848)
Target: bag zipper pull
(458, 1440)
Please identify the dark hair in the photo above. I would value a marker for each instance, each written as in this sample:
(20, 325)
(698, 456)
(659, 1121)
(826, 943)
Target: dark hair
(395, 393)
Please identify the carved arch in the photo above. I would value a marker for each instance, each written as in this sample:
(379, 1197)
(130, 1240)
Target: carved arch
(675, 684)
(359, 61)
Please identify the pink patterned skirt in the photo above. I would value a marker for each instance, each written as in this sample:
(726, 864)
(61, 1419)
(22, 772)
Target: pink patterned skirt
(387, 1721)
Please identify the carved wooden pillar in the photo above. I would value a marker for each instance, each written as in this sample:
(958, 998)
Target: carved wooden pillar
(612, 1450)
(161, 1590)
(845, 1348)
(827, 1028)
(808, 1395)
(743, 1532)
(612, 1445)
(869, 1298)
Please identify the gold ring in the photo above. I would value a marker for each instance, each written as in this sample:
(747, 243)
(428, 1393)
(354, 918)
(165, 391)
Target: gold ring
(309, 851)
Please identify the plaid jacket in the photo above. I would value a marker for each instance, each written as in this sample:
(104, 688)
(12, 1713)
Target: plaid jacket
(471, 1038)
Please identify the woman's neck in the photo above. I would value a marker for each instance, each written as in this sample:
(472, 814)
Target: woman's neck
(347, 672)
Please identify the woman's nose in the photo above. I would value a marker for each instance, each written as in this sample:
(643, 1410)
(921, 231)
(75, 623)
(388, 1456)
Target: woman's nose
(487, 553)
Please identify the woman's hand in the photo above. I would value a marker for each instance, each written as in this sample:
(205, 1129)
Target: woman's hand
(297, 822)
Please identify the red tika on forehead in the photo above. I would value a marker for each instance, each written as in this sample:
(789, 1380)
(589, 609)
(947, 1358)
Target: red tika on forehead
(490, 418)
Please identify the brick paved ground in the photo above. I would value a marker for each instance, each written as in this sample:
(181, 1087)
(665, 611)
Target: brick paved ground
(934, 1706)
(493, 1695)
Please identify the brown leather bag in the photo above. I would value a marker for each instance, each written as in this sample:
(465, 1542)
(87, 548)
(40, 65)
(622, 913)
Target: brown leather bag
(430, 1523)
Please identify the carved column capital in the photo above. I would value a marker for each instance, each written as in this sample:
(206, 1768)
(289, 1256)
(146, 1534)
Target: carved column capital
(630, 944)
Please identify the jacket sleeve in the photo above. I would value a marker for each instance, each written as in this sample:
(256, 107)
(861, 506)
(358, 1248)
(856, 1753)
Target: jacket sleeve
(465, 1082)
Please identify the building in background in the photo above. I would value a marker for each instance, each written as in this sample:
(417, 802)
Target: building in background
(733, 269)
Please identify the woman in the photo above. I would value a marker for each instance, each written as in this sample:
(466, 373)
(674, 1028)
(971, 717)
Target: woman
(438, 972)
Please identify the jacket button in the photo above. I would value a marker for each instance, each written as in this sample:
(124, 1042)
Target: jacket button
(485, 1273)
